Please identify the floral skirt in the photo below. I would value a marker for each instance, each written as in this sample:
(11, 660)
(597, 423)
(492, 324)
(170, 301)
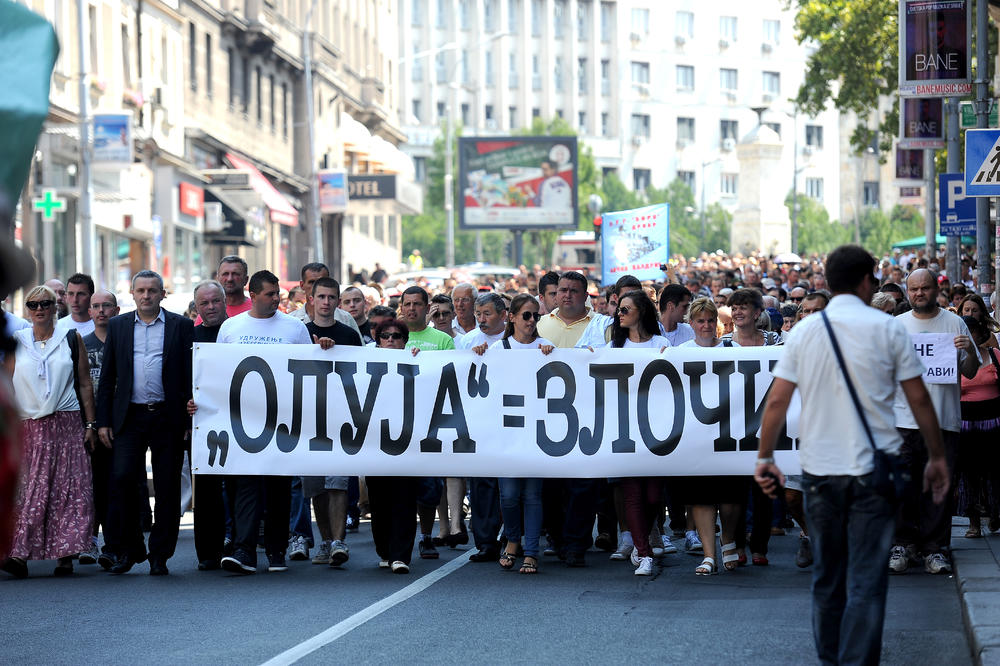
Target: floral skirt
(55, 499)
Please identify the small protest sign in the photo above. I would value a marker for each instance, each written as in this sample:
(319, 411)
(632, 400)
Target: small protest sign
(938, 354)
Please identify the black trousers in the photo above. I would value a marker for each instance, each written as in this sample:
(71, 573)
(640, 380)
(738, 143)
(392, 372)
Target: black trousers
(100, 470)
(485, 520)
(568, 508)
(393, 503)
(762, 507)
(607, 517)
(152, 430)
(254, 498)
(921, 523)
(209, 517)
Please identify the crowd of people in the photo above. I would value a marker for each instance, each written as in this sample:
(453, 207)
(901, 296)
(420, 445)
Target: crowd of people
(97, 389)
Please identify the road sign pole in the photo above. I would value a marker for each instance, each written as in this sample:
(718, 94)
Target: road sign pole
(983, 266)
(930, 220)
(953, 262)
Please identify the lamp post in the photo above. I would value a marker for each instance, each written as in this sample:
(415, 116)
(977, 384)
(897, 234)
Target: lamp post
(316, 220)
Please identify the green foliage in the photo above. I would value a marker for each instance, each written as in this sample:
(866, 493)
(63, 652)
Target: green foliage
(816, 232)
(879, 232)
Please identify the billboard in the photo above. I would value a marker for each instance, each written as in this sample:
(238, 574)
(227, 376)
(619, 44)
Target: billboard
(332, 191)
(909, 164)
(522, 182)
(113, 138)
(921, 122)
(935, 56)
(635, 242)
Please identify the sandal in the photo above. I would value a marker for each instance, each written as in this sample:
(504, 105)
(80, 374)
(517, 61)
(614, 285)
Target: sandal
(507, 560)
(759, 560)
(706, 568)
(730, 560)
(529, 566)
(974, 533)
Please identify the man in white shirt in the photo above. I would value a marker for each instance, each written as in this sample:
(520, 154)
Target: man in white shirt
(850, 524)
(79, 289)
(674, 302)
(554, 191)
(463, 296)
(491, 318)
(311, 273)
(924, 528)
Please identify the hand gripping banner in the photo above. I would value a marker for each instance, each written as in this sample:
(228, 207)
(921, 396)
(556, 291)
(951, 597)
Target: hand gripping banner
(299, 410)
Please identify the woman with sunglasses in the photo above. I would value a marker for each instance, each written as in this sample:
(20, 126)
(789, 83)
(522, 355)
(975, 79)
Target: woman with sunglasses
(635, 325)
(393, 499)
(55, 503)
(521, 497)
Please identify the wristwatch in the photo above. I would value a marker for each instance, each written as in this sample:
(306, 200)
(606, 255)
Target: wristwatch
(765, 461)
(90, 425)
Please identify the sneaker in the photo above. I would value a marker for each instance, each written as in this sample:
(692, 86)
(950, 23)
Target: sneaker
(645, 567)
(106, 560)
(692, 544)
(634, 558)
(339, 553)
(604, 542)
(898, 560)
(383, 564)
(400, 567)
(936, 563)
(322, 554)
(239, 562)
(276, 562)
(804, 557)
(298, 549)
(427, 549)
(625, 547)
(668, 547)
(550, 547)
(90, 555)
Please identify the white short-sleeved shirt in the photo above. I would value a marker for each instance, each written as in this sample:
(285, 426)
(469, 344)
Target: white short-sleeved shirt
(694, 343)
(278, 329)
(946, 397)
(683, 333)
(476, 337)
(879, 355)
(654, 342)
(84, 327)
(514, 344)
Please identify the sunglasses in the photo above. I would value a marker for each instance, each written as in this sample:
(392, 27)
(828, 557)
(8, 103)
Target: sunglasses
(442, 314)
(624, 311)
(528, 316)
(794, 299)
(391, 336)
(45, 305)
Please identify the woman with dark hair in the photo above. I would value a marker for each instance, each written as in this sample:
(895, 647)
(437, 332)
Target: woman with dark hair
(521, 499)
(393, 499)
(635, 325)
(974, 306)
(978, 485)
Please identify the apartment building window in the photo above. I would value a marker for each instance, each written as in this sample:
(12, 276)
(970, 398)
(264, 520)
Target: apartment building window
(814, 188)
(512, 116)
(126, 58)
(640, 125)
(442, 109)
(441, 67)
(607, 172)
(728, 79)
(420, 169)
(727, 28)
(607, 21)
(772, 31)
(442, 13)
(270, 99)
(685, 130)
(581, 22)
(417, 12)
(164, 62)
(605, 77)
(814, 136)
(363, 227)
(208, 65)
(871, 194)
(464, 13)
(491, 122)
(259, 80)
(464, 65)
(772, 83)
(512, 15)
(640, 72)
(536, 112)
(536, 74)
(512, 77)
(466, 109)
(379, 227)
(640, 21)
(684, 24)
(558, 18)
(685, 77)
(390, 220)
(192, 57)
(605, 123)
(284, 110)
(728, 184)
(559, 113)
(776, 127)
(537, 10)
(729, 129)
(581, 76)
(581, 121)
(686, 177)
(488, 67)
(233, 77)
(641, 179)
(489, 15)
(557, 77)
(245, 84)
(415, 108)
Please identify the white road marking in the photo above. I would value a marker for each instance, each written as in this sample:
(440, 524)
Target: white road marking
(293, 654)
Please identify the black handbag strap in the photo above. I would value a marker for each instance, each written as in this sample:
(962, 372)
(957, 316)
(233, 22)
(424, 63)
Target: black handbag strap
(506, 343)
(847, 378)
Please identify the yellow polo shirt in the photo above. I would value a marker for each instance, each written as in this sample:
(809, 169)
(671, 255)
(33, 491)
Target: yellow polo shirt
(561, 334)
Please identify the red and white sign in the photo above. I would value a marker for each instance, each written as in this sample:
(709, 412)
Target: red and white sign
(192, 200)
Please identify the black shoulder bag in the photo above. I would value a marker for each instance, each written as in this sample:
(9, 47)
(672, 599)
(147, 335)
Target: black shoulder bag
(890, 476)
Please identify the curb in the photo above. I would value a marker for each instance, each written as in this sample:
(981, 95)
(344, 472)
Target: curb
(977, 578)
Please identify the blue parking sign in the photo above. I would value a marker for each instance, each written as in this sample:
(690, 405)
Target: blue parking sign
(957, 212)
(982, 163)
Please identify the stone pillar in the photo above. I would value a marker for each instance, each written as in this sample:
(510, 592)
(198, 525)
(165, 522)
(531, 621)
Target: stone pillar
(761, 220)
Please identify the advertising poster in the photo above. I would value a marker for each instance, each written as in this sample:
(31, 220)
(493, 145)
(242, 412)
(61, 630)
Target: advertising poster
(909, 164)
(113, 138)
(332, 191)
(517, 182)
(934, 48)
(921, 122)
(635, 242)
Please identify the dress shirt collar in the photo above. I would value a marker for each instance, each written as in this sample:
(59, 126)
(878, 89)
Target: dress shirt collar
(159, 316)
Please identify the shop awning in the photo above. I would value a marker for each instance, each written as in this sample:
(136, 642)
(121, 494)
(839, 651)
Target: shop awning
(282, 211)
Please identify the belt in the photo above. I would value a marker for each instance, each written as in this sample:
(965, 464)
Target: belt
(148, 406)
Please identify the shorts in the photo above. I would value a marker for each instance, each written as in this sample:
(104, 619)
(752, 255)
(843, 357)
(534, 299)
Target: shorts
(315, 485)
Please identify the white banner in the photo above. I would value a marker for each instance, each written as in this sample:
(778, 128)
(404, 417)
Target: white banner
(938, 354)
(299, 410)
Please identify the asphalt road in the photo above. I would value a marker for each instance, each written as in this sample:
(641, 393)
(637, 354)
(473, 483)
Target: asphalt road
(474, 612)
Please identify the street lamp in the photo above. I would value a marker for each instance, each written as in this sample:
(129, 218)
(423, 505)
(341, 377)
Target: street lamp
(316, 221)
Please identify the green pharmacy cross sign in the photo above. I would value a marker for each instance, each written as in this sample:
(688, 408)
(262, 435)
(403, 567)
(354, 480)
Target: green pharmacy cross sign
(48, 205)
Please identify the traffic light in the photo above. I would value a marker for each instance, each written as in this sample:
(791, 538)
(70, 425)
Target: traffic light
(597, 227)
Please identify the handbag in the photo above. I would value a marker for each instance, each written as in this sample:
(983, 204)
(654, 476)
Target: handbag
(890, 476)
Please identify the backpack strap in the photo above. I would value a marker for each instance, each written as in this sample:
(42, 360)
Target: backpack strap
(506, 343)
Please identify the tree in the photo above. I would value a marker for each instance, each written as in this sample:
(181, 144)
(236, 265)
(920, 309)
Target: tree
(879, 232)
(817, 233)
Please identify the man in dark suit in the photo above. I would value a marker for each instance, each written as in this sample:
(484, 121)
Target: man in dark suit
(141, 404)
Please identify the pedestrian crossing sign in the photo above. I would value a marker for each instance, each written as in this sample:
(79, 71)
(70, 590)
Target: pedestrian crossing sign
(982, 163)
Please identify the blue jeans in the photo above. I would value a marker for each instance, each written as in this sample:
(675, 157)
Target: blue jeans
(516, 494)
(851, 529)
(300, 519)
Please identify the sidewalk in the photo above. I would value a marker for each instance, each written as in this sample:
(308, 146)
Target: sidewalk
(977, 571)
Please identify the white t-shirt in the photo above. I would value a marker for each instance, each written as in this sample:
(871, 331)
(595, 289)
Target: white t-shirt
(694, 343)
(555, 193)
(278, 329)
(680, 335)
(879, 355)
(84, 327)
(514, 344)
(475, 338)
(654, 342)
(946, 397)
